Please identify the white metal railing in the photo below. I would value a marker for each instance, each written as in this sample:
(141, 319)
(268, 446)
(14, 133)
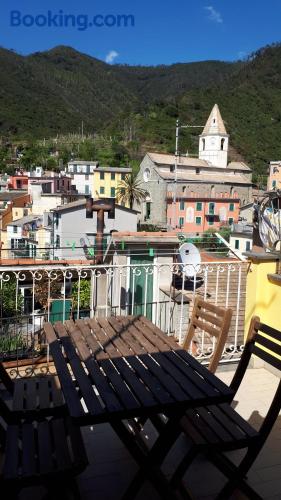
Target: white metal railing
(30, 296)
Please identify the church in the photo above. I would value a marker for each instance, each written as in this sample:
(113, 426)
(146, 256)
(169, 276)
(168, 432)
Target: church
(199, 193)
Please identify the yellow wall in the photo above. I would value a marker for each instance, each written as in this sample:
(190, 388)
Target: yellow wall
(107, 183)
(263, 297)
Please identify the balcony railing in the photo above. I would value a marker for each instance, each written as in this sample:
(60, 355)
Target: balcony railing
(31, 296)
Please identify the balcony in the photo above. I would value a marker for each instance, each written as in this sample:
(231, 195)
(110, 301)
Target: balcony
(157, 291)
(126, 289)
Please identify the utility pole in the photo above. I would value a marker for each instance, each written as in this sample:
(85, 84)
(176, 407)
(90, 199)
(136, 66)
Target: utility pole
(177, 156)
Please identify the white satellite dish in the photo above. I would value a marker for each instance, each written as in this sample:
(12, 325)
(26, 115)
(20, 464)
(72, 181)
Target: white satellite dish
(190, 259)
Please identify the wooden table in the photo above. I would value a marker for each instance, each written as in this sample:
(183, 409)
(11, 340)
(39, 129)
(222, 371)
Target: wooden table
(121, 368)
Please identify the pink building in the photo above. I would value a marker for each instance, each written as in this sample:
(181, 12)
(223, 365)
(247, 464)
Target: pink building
(197, 214)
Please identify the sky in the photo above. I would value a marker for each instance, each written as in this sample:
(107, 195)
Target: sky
(158, 31)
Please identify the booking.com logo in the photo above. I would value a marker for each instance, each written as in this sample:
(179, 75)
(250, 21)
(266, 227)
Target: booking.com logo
(81, 22)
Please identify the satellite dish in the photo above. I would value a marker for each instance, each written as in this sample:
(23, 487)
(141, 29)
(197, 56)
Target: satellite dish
(190, 259)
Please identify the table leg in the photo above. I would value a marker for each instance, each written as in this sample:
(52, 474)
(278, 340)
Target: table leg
(150, 462)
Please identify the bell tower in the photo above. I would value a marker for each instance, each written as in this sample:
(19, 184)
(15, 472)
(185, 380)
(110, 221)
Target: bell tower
(214, 140)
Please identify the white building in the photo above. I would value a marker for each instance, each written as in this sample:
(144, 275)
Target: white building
(82, 173)
(214, 140)
(74, 236)
(241, 238)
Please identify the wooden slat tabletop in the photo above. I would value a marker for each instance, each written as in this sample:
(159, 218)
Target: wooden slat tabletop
(122, 367)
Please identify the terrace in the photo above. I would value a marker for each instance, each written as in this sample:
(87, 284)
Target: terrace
(157, 291)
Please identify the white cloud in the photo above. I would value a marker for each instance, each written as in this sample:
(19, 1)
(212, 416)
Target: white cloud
(111, 56)
(214, 15)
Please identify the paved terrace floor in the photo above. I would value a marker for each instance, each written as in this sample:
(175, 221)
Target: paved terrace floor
(111, 466)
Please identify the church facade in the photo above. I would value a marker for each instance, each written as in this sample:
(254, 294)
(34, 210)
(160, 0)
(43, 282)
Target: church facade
(201, 192)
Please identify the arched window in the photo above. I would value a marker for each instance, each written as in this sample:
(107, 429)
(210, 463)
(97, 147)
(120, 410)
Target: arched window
(222, 144)
(184, 189)
(203, 144)
(231, 191)
(212, 191)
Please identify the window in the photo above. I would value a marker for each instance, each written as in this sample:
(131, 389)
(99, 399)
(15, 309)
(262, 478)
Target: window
(222, 144)
(199, 206)
(203, 144)
(86, 177)
(147, 210)
(102, 176)
(236, 244)
(230, 221)
(197, 171)
(57, 241)
(112, 192)
(87, 189)
(198, 221)
(182, 205)
(112, 176)
(248, 246)
(231, 207)
(274, 184)
(181, 221)
(123, 177)
(211, 208)
(101, 190)
(211, 220)
(15, 229)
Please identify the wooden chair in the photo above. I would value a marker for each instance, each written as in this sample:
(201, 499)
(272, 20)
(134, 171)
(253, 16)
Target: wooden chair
(48, 452)
(34, 396)
(220, 428)
(213, 321)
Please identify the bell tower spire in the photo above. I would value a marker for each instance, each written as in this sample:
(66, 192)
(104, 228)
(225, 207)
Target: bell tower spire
(214, 140)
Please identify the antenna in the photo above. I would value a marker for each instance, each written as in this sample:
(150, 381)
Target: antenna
(190, 259)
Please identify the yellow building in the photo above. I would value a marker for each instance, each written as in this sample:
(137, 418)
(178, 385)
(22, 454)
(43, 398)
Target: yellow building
(263, 296)
(106, 180)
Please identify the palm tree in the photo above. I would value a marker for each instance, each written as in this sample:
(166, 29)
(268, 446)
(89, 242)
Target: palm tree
(129, 191)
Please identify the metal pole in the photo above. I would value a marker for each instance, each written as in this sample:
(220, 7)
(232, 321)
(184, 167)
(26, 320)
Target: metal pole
(176, 175)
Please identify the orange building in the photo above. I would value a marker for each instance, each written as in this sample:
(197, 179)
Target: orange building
(18, 182)
(196, 215)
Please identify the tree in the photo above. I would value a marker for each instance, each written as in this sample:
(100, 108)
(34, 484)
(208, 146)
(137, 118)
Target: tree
(129, 191)
(9, 305)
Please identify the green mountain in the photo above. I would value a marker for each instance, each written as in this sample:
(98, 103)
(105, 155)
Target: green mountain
(51, 92)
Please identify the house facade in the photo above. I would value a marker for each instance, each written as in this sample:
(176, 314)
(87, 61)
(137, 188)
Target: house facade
(90, 179)
(274, 178)
(241, 238)
(74, 236)
(198, 214)
(208, 179)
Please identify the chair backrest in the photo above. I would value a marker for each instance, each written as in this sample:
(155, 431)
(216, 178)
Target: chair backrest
(6, 379)
(265, 343)
(215, 322)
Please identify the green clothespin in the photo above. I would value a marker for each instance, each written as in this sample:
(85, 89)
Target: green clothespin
(151, 252)
(91, 252)
(73, 247)
(122, 245)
